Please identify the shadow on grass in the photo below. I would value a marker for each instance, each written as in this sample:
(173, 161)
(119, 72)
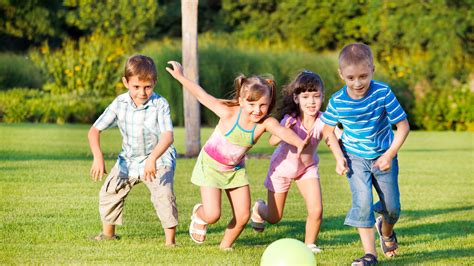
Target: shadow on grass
(296, 229)
(424, 256)
(439, 231)
(413, 214)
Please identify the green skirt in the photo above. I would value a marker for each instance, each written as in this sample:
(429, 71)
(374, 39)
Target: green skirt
(210, 173)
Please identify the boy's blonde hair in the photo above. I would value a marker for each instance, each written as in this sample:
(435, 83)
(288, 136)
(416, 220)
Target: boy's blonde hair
(141, 66)
(355, 53)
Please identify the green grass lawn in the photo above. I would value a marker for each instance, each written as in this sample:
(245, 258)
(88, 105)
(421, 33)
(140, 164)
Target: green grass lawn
(48, 205)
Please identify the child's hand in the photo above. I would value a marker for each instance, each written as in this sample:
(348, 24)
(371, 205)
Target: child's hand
(290, 122)
(341, 166)
(176, 70)
(305, 143)
(150, 170)
(384, 162)
(98, 169)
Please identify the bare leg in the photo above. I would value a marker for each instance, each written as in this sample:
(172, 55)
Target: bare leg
(239, 199)
(170, 236)
(210, 211)
(108, 229)
(311, 191)
(273, 211)
(387, 231)
(367, 236)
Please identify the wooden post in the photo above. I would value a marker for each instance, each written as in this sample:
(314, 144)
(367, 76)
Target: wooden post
(192, 118)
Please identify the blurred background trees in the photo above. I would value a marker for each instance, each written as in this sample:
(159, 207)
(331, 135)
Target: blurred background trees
(423, 49)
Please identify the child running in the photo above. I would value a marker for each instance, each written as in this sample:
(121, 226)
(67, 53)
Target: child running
(367, 109)
(220, 165)
(302, 100)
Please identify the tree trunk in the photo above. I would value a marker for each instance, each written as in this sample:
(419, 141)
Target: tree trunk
(192, 118)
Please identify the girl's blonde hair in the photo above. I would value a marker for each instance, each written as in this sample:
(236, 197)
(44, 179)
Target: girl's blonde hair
(303, 82)
(252, 89)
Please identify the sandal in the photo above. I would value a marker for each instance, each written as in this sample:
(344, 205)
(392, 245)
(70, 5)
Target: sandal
(257, 222)
(314, 248)
(102, 237)
(384, 239)
(196, 220)
(367, 259)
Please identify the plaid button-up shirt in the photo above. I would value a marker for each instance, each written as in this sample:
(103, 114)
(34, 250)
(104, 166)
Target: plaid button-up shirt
(141, 128)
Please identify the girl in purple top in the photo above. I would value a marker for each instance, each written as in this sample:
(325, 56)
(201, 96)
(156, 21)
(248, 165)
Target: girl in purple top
(302, 101)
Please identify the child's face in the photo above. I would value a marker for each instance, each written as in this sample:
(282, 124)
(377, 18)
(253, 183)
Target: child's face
(357, 78)
(140, 90)
(310, 102)
(255, 110)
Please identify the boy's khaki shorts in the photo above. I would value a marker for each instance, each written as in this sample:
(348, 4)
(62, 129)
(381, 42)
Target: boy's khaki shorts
(116, 188)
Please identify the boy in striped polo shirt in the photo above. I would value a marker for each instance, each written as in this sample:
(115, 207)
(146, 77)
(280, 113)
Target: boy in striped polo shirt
(367, 109)
(147, 155)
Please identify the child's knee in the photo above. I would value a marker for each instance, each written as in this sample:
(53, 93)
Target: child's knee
(392, 215)
(242, 219)
(315, 214)
(212, 216)
(273, 219)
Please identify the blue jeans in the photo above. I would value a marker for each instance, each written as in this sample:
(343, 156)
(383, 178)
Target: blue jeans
(362, 176)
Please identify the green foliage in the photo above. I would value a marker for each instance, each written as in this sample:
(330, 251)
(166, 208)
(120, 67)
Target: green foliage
(22, 105)
(113, 18)
(452, 110)
(31, 19)
(221, 62)
(320, 25)
(18, 71)
(91, 66)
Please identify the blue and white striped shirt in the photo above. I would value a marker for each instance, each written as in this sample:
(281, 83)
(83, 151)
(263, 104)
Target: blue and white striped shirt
(367, 121)
(141, 128)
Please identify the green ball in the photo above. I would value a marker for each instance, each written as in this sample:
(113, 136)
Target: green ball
(287, 251)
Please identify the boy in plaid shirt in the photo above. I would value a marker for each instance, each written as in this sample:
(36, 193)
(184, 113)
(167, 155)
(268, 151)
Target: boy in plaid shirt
(147, 155)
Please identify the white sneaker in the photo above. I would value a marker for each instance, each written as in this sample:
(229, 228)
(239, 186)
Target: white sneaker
(314, 248)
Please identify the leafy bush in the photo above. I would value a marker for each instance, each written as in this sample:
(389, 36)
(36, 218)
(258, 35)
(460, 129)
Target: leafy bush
(27, 105)
(91, 66)
(113, 18)
(18, 71)
(447, 109)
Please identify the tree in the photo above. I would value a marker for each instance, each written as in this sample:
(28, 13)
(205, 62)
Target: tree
(192, 119)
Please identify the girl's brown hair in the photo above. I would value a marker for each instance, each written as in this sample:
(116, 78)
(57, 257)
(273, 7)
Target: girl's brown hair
(252, 89)
(303, 82)
(141, 66)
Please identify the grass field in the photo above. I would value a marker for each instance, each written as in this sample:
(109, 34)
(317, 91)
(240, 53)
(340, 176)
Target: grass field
(48, 205)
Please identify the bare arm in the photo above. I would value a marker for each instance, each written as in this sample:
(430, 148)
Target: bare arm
(333, 144)
(285, 134)
(215, 105)
(384, 162)
(98, 165)
(274, 140)
(166, 139)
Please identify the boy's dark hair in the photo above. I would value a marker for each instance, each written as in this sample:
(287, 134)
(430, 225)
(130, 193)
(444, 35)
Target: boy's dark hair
(141, 66)
(355, 53)
(305, 81)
